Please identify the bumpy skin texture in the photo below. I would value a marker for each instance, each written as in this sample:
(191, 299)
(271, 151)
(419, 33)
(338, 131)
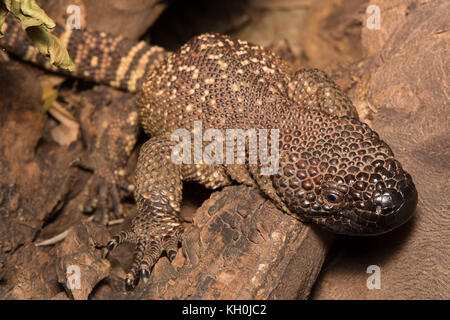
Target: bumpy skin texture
(98, 56)
(333, 170)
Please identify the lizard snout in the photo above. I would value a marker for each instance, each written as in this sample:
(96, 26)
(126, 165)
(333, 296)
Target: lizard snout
(395, 206)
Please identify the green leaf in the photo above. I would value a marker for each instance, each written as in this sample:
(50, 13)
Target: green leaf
(49, 95)
(38, 25)
(51, 47)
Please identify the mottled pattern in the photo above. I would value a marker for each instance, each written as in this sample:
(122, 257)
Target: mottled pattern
(98, 56)
(339, 174)
(224, 83)
(156, 227)
(334, 170)
(312, 87)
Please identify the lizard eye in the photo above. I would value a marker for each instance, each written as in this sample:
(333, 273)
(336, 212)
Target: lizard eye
(333, 197)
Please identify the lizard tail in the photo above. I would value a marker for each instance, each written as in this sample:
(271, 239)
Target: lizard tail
(98, 56)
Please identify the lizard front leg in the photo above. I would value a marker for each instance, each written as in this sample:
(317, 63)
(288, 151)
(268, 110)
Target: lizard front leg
(156, 227)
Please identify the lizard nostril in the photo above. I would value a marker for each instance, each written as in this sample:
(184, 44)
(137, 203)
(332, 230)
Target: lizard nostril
(395, 205)
(389, 198)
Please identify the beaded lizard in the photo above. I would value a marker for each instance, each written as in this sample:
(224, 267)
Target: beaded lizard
(333, 169)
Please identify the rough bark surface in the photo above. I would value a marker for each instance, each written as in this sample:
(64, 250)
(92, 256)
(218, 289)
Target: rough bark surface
(331, 33)
(128, 18)
(36, 183)
(407, 82)
(78, 255)
(239, 246)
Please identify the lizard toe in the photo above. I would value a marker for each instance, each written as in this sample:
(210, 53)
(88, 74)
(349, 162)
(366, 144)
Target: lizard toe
(144, 273)
(115, 241)
(145, 256)
(170, 246)
(131, 279)
(103, 200)
(148, 251)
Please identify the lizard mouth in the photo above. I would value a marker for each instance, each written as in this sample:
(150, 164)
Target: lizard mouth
(387, 210)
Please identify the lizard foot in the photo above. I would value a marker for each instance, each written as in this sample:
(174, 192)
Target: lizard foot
(103, 195)
(154, 239)
(104, 199)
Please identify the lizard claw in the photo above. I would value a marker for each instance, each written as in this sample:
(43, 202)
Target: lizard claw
(113, 243)
(171, 254)
(145, 274)
(148, 251)
(130, 283)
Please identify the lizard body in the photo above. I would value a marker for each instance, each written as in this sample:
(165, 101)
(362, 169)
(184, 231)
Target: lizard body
(333, 169)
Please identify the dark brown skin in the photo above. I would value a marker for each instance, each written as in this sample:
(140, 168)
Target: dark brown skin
(334, 170)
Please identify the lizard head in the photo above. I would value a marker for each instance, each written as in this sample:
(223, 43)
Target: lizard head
(338, 173)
